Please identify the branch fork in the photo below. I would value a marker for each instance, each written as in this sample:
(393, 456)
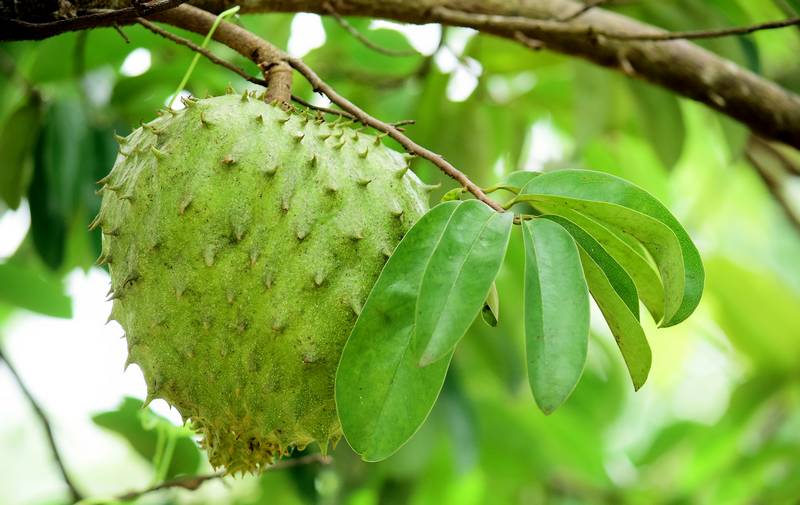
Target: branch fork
(276, 65)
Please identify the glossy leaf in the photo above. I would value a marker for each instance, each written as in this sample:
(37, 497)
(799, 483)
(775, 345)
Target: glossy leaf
(16, 142)
(621, 321)
(656, 238)
(382, 396)
(631, 209)
(26, 288)
(458, 277)
(556, 312)
(630, 255)
(620, 280)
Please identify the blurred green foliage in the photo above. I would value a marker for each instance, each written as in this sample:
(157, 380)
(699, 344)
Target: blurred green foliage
(485, 441)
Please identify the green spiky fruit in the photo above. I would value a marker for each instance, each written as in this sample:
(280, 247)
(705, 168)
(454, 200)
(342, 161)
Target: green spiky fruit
(242, 241)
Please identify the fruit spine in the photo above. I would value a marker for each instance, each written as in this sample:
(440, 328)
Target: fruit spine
(242, 241)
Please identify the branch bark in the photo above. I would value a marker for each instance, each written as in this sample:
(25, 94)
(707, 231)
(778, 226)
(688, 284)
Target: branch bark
(269, 57)
(679, 66)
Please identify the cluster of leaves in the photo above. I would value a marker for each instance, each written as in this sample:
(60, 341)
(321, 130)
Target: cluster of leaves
(587, 232)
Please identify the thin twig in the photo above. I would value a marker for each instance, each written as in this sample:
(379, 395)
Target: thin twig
(361, 38)
(205, 52)
(524, 25)
(589, 5)
(9, 28)
(703, 34)
(195, 481)
(198, 20)
(326, 110)
(412, 147)
(772, 181)
(75, 495)
(238, 70)
(532, 44)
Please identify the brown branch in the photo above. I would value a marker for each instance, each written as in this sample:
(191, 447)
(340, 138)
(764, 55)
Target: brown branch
(361, 38)
(74, 494)
(268, 56)
(408, 144)
(195, 481)
(205, 52)
(678, 65)
(701, 34)
(238, 70)
(772, 181)
(593, 33)
(13, 29)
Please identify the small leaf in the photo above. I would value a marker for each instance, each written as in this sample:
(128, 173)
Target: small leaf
(603, 196)
(382, 396)
(140, 428)
(458, 278)
(24, 287)
(16, 143)
(556, 312)
(629, 335)
(453, 194)
(490, 313)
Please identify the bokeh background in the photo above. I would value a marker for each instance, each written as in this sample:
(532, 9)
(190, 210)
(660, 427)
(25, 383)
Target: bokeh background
(718, 421)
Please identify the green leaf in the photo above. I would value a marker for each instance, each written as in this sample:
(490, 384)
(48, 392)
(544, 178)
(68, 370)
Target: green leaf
(458, 277)
(453, 194)
(16, 142)
(631, 209)
(624, 326)
(490, 313)
(23, 287)
(382, 396)
(619, 278)
(631, 256)
(141, 428)
(59, 171)
(657, 239)
(556, 313)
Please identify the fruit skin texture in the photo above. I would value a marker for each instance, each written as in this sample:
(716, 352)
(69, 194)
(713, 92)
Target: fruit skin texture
(242, 241)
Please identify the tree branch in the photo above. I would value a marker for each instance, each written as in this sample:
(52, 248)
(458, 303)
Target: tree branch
(192, 482)
(268, 57)
(677, 65)
(74, 494)
(14, 29)
(361, 38)
(772, 180)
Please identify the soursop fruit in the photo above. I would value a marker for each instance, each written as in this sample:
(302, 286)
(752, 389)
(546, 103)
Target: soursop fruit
(242, 241)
